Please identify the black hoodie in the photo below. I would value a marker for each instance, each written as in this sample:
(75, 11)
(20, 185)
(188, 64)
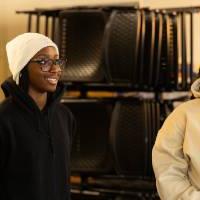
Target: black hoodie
(34, 146)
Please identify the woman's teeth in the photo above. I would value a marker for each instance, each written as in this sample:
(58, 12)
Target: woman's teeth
(52, 80)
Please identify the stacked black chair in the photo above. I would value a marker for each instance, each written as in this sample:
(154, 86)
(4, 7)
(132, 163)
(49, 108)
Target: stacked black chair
(129, 48)
(157, 49)
(122, 37)
(91, 150)
(81, 36)
(176, 70)
(146, 63)
(133, 127)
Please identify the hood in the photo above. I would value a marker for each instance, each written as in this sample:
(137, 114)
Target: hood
(11, 89)
(195, 88)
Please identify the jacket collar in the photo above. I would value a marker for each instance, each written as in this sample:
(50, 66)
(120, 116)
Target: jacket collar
(11, 89)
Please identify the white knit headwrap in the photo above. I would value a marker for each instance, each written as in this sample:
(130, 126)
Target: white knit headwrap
(22, 48)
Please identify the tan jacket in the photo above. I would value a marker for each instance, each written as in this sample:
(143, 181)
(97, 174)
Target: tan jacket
(176, 153)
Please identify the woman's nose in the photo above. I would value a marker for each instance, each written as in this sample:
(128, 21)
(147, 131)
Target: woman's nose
(55, 69)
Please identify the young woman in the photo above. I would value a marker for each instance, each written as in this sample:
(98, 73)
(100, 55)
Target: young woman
(35, 128)
(176, 153)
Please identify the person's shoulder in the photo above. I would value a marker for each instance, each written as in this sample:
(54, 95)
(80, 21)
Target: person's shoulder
(5, 105)
(190, 105)
(186, 109)
(63, 107)
(64, 110)
(6, 108)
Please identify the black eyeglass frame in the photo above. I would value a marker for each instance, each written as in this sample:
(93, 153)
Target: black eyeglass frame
(45, 66)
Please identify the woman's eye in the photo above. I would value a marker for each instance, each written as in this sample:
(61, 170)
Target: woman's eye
(57, 62)
(42, 62)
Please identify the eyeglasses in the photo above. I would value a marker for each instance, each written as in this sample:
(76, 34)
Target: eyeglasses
(46, 64)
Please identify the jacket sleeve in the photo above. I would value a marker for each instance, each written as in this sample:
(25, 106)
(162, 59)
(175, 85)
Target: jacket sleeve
(169, 162)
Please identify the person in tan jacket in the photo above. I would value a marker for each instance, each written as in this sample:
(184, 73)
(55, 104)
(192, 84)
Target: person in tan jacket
(176, 153)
